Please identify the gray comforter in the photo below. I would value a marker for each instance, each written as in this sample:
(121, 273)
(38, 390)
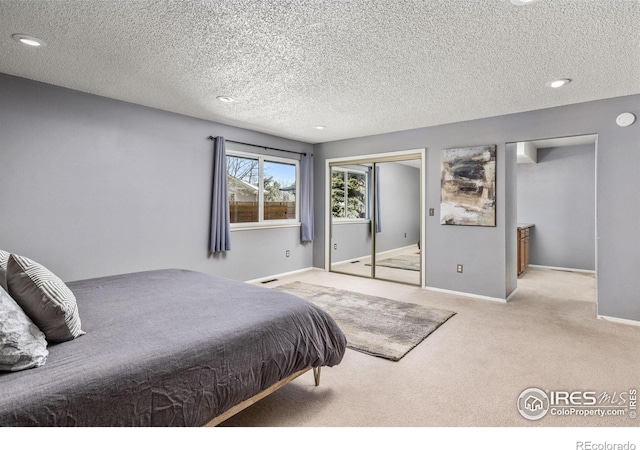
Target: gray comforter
(169, 348)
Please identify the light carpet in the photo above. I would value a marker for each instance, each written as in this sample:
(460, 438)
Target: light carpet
(374, 325)
(471, 371)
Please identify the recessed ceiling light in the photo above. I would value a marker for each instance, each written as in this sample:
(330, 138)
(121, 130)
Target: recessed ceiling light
(28, 40)
(226, 99)
(522, 2)
(320, 127)
(558, 83)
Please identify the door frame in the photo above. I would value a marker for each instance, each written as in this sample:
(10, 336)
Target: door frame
(595, 136)
(401, 155)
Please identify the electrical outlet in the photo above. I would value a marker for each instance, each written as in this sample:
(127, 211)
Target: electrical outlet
(405, 235)
(432, 212)
(335, 246)
(459, 269)
(288, 253)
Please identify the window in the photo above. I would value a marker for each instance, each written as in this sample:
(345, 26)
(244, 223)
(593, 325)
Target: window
(349, 194)
(261, 189)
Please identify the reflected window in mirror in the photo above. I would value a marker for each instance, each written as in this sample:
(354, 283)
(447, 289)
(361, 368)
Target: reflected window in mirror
(349, 194)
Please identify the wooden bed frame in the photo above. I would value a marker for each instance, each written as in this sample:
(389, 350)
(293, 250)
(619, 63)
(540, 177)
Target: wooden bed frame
(260, 395)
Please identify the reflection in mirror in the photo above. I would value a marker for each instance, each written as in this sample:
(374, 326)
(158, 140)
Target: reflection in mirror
(397, 242)
(384, 196)
(350, 219)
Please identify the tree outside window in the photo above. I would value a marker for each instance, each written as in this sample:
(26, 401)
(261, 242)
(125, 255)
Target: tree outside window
(349, 194)
(279, 191)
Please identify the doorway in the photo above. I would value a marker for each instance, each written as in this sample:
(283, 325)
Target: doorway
(556, 202)
(375, 221)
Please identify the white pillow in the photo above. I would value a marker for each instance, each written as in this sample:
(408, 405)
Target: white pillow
(22, 344)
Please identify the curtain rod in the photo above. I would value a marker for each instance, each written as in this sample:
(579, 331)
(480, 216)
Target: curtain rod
(211, 138)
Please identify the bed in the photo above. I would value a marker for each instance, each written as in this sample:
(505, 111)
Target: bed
(170, 348)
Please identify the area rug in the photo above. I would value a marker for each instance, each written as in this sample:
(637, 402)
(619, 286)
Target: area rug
(406, 262)
(374, 325)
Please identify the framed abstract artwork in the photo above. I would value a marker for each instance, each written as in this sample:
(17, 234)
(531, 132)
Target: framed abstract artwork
(468, 186)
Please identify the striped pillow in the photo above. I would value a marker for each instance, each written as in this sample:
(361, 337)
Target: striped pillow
(45, 298)
(4, 258)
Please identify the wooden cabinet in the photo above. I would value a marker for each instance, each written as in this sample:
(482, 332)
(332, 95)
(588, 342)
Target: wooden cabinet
(523, 248)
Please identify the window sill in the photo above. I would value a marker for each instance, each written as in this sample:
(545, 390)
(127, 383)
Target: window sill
(350, 221)
(263, 226)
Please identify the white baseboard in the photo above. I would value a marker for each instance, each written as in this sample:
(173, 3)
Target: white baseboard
(564, 269)
(271, 277)
(635, 323)
(467, 294)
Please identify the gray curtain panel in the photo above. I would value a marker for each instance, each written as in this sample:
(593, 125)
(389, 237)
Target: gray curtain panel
(220, 239)
(371, 187)
(306, 197)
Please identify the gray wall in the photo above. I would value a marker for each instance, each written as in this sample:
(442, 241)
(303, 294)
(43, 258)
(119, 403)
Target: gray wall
(558, 195)
(351, 240)
(91, 186)
(511, 240)
(482, 250)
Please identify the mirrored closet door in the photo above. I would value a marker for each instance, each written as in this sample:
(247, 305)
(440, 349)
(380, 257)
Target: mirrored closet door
(376, 219)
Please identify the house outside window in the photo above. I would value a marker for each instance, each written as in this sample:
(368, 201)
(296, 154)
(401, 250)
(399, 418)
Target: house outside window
(349, 194)
(262, 190)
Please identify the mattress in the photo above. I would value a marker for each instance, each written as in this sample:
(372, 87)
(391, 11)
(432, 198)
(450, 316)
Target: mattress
(169, 348)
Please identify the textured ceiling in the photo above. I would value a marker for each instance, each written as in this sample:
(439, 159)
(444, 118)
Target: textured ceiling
(359, 67)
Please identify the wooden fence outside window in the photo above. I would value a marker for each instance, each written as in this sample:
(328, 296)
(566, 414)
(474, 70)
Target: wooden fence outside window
(244, 212)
